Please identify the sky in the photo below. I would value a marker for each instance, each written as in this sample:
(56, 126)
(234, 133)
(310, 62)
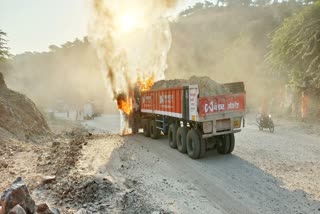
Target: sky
(34, 25)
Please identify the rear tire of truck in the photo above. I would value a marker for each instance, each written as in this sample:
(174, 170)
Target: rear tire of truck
(135, 130)
(224, 146)
(193, 144)
(154, 131)
(146, 128)
(172, 132)
(232, 143)
(182, 139)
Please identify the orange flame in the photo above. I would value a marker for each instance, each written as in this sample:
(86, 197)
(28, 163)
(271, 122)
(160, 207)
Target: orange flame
(147, 84)
(124, 104)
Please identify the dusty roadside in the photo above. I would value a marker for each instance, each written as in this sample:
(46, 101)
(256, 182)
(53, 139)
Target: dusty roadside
(267, 173)
(75, 183)
(103, 173)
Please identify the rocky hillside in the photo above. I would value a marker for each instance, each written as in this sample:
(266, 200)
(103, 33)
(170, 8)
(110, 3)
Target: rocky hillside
(19, 116)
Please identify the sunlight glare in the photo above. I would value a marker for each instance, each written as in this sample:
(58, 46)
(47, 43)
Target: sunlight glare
(128, 22)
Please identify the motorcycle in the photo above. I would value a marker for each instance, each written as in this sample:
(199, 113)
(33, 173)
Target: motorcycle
(265, 121)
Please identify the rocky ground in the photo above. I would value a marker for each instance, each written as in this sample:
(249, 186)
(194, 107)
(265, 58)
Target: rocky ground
(54, 175)
(76, 170)
(43, 160)
(267, 173)
(19, 116)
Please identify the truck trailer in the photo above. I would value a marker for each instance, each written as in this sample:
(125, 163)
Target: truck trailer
(193, 124)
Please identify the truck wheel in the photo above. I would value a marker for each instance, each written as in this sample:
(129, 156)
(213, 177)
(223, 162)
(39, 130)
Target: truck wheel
(172, 135)
(182, 139)
(224, 146)
(135, 130)
(193, 144)
(154, 131)
(271, 127)
(146, 128)
(232, 143)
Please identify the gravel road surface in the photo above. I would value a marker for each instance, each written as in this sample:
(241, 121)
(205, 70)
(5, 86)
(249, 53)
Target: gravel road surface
(267, 173)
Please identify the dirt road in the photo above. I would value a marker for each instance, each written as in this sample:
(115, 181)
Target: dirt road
(267, 173)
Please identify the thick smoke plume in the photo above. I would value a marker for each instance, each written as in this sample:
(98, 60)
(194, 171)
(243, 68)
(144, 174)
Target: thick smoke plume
(132, 38)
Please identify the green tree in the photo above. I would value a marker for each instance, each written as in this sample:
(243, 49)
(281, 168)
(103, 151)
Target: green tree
(198, 7)
(261, 2)
(208, 4)
(238, 3)
(4, 50)
(295, 48)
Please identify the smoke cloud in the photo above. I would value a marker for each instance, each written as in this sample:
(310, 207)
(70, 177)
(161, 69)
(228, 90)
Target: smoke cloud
(132, 39)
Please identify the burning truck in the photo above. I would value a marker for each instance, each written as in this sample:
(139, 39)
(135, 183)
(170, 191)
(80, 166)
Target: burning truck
(196, 114)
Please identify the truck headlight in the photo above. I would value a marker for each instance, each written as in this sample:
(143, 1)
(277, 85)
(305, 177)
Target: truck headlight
(207, 127)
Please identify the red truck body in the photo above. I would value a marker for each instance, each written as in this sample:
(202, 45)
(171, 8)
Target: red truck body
(182, 114)
(163, 102)
(169, 102)
(221, 104)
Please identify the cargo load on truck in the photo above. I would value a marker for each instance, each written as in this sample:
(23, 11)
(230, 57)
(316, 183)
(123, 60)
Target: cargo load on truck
(196, 114)
(207, 86)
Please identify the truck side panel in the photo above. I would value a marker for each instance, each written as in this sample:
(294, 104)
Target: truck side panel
(193, 102)
(221, 104)
(166, 102)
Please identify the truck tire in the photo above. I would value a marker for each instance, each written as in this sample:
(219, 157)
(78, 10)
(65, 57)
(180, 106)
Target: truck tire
(193, 144)
(135, 130)
(154, 131)
(271, 126)
(224, 147)
(172, 132)
(182, 139)
(146, 128)
(232, 143)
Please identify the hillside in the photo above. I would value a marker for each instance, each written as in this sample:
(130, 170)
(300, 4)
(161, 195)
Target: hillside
(19, 116)
(226, 44)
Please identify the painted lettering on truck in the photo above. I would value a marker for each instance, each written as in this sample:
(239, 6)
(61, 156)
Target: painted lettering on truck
(209, 105)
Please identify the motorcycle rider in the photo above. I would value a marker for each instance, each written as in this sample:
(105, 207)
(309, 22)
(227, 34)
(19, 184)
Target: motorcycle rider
(264, 120)
(264, 110)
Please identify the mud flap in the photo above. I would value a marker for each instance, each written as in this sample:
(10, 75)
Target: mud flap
(203, 146)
